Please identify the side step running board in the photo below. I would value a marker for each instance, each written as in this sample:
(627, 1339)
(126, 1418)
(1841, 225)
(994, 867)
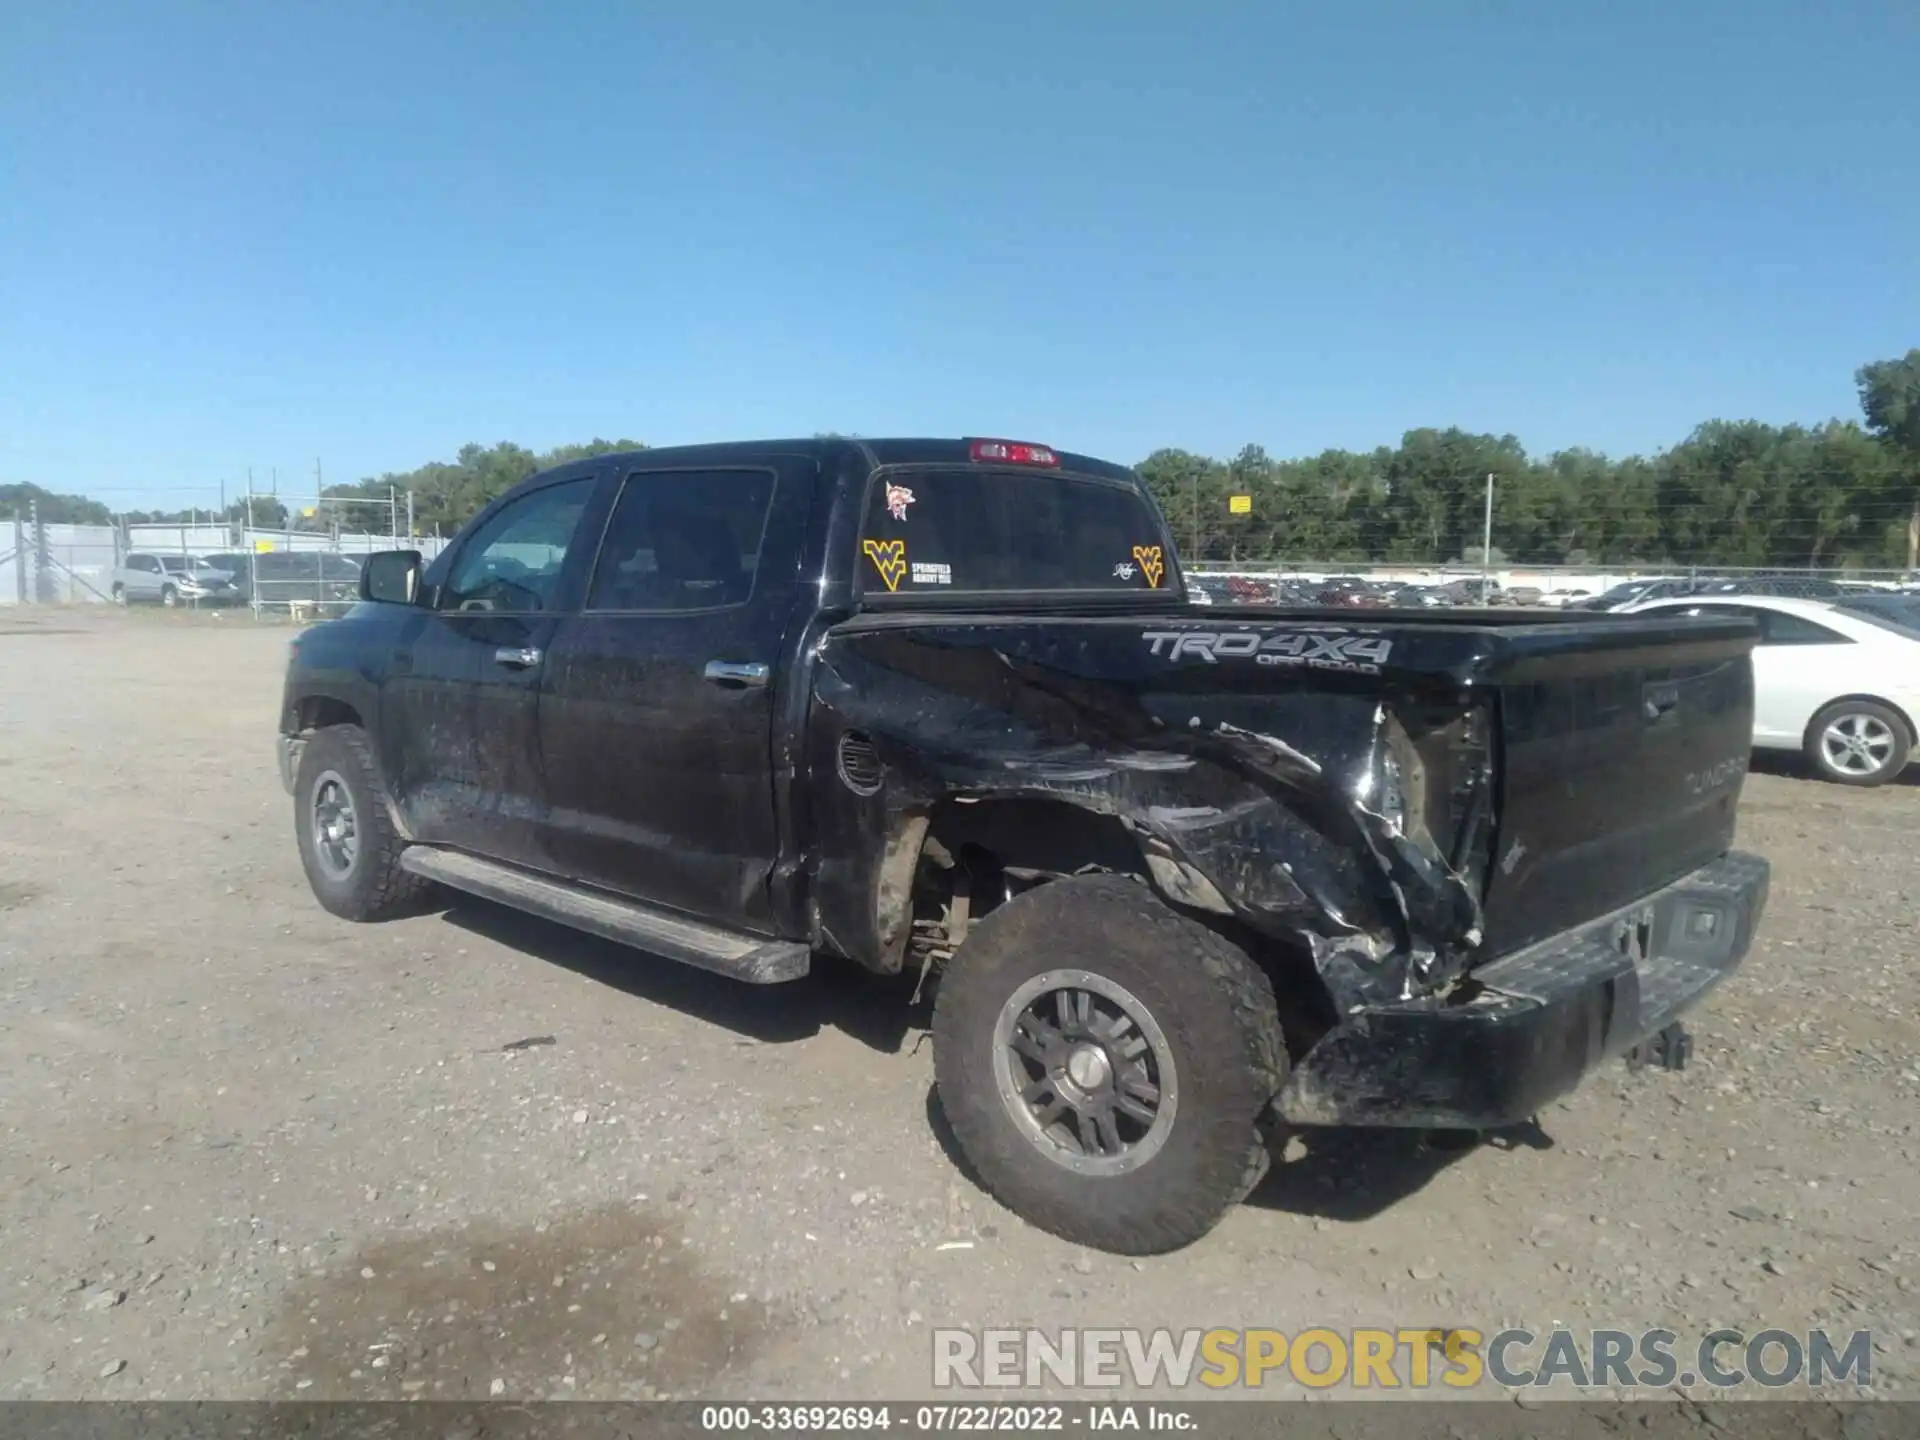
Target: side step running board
(725, 952)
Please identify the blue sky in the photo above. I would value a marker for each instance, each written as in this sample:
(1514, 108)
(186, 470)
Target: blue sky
(253, 235)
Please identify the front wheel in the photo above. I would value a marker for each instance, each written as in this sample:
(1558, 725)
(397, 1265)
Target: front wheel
(1105, 1061)
(169, 596)
(348, 845)
(120, 595)
(1858, 742)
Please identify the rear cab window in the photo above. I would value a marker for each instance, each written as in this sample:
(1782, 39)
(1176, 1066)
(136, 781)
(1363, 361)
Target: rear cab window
(953, 530)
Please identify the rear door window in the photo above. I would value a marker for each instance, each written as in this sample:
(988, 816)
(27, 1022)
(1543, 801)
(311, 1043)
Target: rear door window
(683, 540)
(1779, 628)
(961, 530)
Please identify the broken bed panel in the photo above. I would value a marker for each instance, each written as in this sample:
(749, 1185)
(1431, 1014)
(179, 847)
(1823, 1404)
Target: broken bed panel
(1303, 803)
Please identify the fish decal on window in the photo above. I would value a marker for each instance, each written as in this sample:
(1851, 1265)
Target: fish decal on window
(898, 498)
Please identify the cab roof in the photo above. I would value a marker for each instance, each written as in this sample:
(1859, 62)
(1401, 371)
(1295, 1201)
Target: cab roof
(878, 452)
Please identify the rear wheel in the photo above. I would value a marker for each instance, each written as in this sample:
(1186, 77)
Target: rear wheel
(1105, 1062)
(348, 845)
(1858, 742)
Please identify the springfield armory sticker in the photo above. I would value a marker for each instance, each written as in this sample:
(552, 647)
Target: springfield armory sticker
(1358, 654)
(898, 498)
(1151, 564)
(889, 558)
(926, 573)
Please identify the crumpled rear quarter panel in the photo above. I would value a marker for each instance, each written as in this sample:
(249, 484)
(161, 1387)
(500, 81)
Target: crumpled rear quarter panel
(1239, 780)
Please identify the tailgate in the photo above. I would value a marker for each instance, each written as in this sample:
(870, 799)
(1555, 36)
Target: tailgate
(1626, 744)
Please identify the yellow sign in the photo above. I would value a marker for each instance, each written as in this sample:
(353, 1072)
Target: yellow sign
(889, 558)
(1152, 563)
(1240, 504)
(263, 546)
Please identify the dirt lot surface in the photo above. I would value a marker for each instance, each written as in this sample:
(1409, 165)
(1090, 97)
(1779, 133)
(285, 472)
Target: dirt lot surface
(254, 1151)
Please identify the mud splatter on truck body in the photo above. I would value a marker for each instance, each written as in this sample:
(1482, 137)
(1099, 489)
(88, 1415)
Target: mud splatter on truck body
(946, 704)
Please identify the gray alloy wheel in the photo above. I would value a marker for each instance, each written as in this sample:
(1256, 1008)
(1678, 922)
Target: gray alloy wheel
(336, 829)
(1086, 1072)
(1859, 742)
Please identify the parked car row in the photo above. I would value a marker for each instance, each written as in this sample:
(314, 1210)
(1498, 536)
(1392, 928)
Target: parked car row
(1350, 592)
(1356, 592)
(274, 577)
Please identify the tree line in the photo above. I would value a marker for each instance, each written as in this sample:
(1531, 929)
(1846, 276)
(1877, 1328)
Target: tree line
(1845, 493)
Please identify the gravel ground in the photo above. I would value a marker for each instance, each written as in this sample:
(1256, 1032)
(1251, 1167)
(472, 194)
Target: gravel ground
(253, 1151)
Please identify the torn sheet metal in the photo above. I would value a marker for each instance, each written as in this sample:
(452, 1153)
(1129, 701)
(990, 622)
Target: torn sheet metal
(1261, 794)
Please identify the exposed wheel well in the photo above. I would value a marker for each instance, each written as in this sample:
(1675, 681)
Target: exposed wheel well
(977, 855)
(317, 712)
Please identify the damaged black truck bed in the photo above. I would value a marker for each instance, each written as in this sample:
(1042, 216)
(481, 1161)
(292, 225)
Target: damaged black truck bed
(1179, 877)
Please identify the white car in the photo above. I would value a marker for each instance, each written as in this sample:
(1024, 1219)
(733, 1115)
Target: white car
(1840, 686)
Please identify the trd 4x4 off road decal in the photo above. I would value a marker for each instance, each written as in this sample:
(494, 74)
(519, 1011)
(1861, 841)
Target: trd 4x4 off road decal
(889, 558)
(1360, 654)
(1152, 565)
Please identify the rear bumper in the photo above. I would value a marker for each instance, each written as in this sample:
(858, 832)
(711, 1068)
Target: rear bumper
(1541, 1018)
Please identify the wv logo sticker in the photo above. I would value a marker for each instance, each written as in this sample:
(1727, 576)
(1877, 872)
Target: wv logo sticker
(889, 558)
(1151, 565)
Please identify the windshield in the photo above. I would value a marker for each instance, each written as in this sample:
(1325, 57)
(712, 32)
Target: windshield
(961, 530)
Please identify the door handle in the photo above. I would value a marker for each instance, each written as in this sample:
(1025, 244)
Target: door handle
(521, 657)
(724, 672)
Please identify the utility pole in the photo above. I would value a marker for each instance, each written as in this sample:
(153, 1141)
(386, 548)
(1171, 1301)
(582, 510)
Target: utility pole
(410, 515)
(1486, 543)
(41, 590)
(1196, 516)
(1913, 539)
(253, 554)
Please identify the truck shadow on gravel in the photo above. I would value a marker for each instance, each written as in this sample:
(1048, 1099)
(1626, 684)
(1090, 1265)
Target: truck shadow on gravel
(1350, 1175)
(605, 1304)
(876, 1010)
(1332, 1174)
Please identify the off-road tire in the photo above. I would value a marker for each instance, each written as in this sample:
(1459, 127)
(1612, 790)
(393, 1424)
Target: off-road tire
(375, 887)
(1214, 1007)
(1899, 743)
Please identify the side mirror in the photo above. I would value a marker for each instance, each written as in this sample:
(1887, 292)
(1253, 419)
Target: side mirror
(391, 577)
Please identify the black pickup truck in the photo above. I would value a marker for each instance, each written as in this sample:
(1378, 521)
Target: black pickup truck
(1181, 877)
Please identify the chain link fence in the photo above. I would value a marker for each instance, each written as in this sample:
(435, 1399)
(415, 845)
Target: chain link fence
(271, 572)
